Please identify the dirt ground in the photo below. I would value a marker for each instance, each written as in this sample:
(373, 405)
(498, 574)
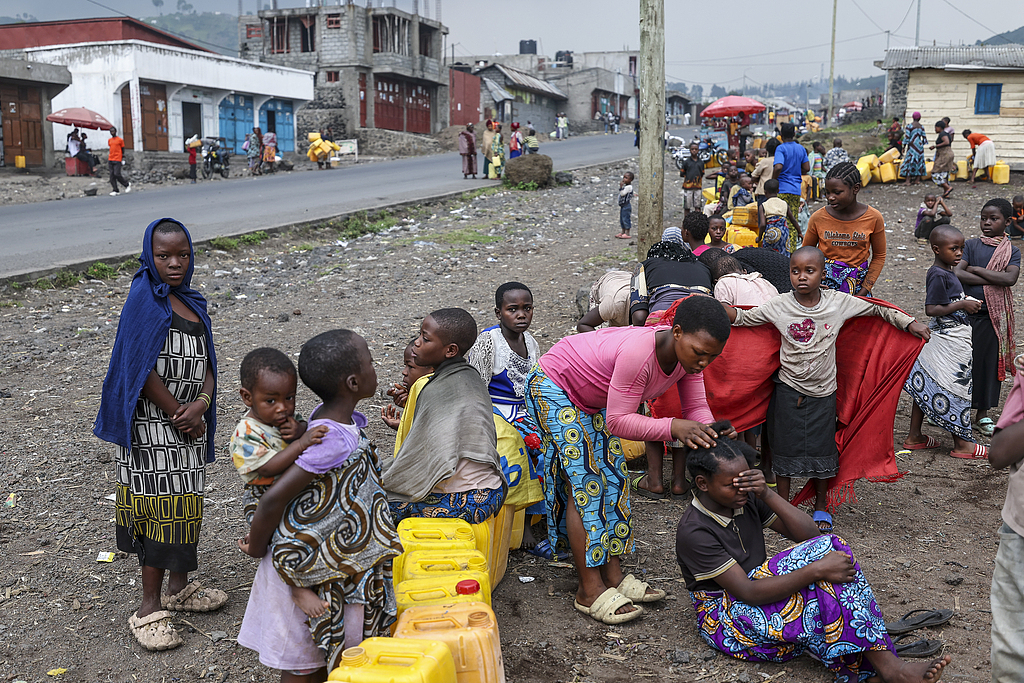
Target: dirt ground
(927, 540)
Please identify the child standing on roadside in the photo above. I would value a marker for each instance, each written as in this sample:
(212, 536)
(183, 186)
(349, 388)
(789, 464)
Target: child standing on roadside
(331, 498)
(692, 173)
(802, 412)
(625, 200)
(988, 270)
(940, 382)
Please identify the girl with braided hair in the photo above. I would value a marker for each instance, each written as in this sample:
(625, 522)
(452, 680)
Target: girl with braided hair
(851, 234)
(811, 598)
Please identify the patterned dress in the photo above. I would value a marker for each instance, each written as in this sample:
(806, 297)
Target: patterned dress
(160, 479)
(914, 139)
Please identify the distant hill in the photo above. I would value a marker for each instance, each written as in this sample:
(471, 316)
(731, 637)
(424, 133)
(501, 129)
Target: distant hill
(1003, 38)
(212, 30)
(795, 92)
(19, 19)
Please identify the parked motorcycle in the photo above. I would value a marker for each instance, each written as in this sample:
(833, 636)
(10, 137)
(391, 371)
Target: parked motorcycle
(707, 148)
(215, 158)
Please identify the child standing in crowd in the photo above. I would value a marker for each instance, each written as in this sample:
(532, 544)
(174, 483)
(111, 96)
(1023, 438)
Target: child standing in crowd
(157, 406)
(989, 268)
(1016, 228)
(802, 412)
(625, 200)
(448, 464)
(716, 229)
(836, 155)
(319, 526)
(940, 382)
(774, 218)
(692, 173)
(269, 438)
(811, 598)
(933, 212)
(847, 232)
(1007, 596)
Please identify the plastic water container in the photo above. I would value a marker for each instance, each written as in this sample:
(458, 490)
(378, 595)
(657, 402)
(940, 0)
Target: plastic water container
(19, 161)
(1001, 173)
(865, 173)
(745, 216)
(961, 170)
(435, 533)
(500, 527)
(394, 660)
(876, 176)
(890, 156)
(870, 159)
(423, 564)
(745, 238)
(887, 172)
(310, 137)
(455, 588)
(518, 528)
(709, 194)
(928, 166)
(470, 631)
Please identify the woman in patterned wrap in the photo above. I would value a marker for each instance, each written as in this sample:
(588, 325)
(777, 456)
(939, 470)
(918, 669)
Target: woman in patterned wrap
(811, 598)
(157, 407)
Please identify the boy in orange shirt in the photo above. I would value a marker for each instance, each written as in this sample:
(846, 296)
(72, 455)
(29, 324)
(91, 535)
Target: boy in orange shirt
(114, 161)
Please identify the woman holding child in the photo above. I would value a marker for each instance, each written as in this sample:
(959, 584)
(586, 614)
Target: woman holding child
(583, 394)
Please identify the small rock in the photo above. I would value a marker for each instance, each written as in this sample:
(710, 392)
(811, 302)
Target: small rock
(283, 318)
(680, 657)
(75, 604)
(954, 580)
(216, 636)
(918, 491)
(595, 180)
(708, 655)
(297, 312)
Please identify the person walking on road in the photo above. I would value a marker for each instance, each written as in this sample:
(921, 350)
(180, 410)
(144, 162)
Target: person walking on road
(467, 148)
(486, 140)
(254, 151)
(114, 160)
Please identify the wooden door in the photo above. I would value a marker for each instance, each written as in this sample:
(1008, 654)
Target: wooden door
(126, 118)
(22, 124)
(362, 100)
(153, 97)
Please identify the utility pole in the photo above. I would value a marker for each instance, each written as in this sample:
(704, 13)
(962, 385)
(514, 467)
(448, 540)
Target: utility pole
(917, 31)
(832, 65)
(651, 178)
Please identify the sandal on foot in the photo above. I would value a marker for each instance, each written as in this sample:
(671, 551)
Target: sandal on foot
(986, 426)
(822, 517)
(979, 453)
(195, 598)
(907, 646)
(623, 236)
(928, 443)
(634, 486)
(603, 609)
(542, 549)
(154, 631)
(639, 591)
(919, 618)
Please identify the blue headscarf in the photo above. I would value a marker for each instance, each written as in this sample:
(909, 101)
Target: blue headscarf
(141, 333)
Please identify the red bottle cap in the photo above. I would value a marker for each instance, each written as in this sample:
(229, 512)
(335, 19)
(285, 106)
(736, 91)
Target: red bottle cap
(467, 587)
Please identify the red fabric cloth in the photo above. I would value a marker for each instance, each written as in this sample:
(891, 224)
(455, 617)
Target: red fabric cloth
(874, 360)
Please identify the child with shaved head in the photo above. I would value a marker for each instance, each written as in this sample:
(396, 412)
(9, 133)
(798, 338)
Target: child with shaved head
(802, 413)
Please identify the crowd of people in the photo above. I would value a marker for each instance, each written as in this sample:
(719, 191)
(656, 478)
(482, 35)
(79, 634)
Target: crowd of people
(493, 146)
(750, 367)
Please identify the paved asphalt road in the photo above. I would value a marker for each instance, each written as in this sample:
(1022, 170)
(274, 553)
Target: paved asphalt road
(45, 235)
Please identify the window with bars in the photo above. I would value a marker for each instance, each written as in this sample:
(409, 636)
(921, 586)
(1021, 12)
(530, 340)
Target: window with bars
(307, 32)
(278, 27)
(333, 76)
(333, 21)
(988, 98)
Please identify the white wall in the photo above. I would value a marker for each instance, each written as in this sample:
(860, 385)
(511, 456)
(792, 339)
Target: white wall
(100, 70)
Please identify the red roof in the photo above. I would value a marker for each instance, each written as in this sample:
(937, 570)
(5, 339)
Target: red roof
(71, 31)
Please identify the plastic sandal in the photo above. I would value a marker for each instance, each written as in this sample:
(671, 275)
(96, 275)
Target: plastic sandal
(930, 442)
(542, 550)
(637, 590)
(822, 516)
(924, 618)
(634, 486)
(603, 609)
(907, 646)
(979, 453)
(986, 426)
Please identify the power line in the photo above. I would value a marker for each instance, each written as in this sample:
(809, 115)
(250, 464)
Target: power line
(866, 16)
(233, 50)
(909, 7)
(994, 34)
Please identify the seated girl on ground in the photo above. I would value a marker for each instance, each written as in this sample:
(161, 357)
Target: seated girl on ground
(745, 601)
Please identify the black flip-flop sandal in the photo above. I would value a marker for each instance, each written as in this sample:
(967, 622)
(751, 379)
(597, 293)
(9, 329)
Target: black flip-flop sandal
(634, 485)
(906, 646)
(925, 618)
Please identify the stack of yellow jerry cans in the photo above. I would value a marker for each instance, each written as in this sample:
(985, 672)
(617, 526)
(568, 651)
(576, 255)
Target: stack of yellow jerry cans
(446, 630)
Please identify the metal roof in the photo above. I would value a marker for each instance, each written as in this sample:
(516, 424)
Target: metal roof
(960, 58)
(498, 93)
(525, 80)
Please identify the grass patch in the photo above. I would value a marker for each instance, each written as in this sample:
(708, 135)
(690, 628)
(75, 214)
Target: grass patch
(467, 236)
(253, 238)
(528, 186)
(63, 279)
(359, 224)
(129, 265)
(224, 243)
(306, 246)
(11, 304)
(101, 271)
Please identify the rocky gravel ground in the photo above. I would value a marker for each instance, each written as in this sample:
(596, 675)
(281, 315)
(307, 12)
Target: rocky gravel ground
(927, 540)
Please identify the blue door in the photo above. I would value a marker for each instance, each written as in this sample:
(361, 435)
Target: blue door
(235, 121)
(276, 116)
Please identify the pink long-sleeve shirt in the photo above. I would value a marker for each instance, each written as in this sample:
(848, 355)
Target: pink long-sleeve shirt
(616, 369)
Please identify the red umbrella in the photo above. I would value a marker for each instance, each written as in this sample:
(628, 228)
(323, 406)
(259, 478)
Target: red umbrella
(732, 105)
(853, 105)
(81, 118)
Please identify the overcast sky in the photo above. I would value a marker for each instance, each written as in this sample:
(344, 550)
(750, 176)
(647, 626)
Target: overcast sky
(751, 38)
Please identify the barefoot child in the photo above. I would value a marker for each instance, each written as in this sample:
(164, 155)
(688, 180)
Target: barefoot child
(504, 355)
(773, 220)
(802, 413)
(716, 229)
(158, 408)
(268, 439)
(331, 498)
(932, 212)
(448, 464)
(811, 598)
(625, 199)
(940, 382)
(989, 268)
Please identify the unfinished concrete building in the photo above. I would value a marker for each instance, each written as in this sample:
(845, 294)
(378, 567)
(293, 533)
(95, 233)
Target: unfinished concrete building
(377, 68)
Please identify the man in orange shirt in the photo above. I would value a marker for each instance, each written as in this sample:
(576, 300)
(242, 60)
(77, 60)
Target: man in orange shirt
(114, 160)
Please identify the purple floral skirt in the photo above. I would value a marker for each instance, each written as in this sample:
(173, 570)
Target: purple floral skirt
(834, 623)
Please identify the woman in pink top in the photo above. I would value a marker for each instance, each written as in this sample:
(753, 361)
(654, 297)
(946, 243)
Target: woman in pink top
(584, 394)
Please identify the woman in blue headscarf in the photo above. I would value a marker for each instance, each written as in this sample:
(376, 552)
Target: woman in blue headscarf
(158, 408)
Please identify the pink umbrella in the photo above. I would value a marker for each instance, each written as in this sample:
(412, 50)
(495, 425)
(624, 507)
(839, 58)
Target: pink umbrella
(853, 105)
(732, 105)
(81, 118)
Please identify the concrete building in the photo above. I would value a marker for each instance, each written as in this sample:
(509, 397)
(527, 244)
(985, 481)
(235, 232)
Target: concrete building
(508, 94)
(26, 91)
(980, 87)
(677, 105)
(376, 67)
(157, 89)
